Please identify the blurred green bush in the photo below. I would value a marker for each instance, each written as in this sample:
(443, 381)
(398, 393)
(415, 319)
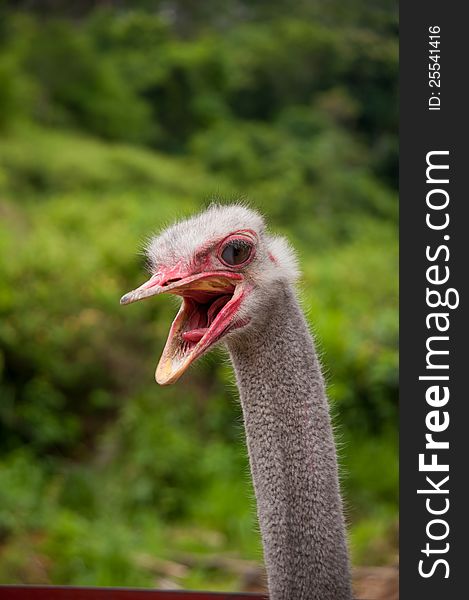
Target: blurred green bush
(113, 123)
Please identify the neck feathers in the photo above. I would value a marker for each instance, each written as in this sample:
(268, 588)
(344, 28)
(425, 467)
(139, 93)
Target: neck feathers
(292, 456)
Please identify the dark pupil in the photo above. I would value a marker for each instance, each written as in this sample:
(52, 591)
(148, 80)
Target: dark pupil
(235, 253)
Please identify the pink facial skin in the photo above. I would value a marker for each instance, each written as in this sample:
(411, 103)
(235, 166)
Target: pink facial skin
(204, 255)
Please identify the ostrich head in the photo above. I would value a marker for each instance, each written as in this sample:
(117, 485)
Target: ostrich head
(226, 268)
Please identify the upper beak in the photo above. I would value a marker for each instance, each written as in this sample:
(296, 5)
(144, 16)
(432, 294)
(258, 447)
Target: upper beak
(169, 283)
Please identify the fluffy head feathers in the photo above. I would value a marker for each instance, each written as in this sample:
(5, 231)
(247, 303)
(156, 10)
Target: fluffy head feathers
(188, 239)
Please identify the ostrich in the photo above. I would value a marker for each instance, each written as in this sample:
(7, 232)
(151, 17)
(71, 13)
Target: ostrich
(236, 284)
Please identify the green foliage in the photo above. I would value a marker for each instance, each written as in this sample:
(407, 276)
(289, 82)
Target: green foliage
(80, 90)
(15, 91)
(296, 113)
(22, 484)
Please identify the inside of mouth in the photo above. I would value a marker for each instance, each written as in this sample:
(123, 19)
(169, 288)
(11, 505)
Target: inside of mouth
(201, 308)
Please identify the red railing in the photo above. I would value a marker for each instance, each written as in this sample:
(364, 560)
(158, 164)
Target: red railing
(31, 592)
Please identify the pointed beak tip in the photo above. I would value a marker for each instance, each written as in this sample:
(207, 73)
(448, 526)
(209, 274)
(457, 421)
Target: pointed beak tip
(161, 381)
(166, 376)
(125, 299)
(162, 378)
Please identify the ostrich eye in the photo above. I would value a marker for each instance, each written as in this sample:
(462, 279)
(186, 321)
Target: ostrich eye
(236, 252)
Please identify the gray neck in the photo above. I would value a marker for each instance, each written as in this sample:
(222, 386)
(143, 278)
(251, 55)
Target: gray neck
(292, 456)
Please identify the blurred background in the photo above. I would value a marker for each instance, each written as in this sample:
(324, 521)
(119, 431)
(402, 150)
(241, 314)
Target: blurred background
(116, 118)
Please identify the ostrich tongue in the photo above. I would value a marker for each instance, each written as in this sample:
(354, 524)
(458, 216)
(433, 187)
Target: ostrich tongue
(195, 335)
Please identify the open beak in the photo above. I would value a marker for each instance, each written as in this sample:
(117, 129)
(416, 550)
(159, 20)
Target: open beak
(210, 302)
